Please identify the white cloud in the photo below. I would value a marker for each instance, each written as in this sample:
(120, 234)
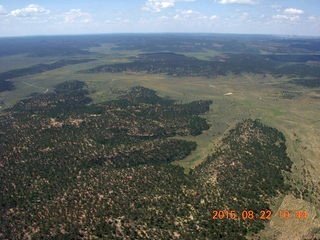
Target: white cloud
(76, 15)
(275, 6)
(289, 14)
(2, 10)
(191, 15)
(31, 11)
(312, 18)
(184, 14)
(164, 17)
(293, 11)
(187, 11)
(122, 20)
(159, 5)
(213, 17)
(244, 16)
(286, 17)
(237, 1)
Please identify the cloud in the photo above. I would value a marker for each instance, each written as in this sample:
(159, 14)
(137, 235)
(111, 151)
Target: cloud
(290, 14)
(31, 11)
(2, 10)
(184, 14)
(188, 11)
(121, 20)
(192, 15)
(286, 17)
(275, 6)
(213, 17)
(244, 16)
(159, 5)
(76, 15)
(164, 17)
(293, 11)
(250, 2)
(312, 18)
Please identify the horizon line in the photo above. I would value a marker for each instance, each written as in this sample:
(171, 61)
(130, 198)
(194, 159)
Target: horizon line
(163, 33)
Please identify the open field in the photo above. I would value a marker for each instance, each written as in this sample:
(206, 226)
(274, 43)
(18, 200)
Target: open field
(22, 61)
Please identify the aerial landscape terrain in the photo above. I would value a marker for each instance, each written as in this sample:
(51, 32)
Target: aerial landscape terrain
(160, 120)
(160, 136)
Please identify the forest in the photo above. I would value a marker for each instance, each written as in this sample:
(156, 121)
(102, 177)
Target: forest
(309, 83)
(231, 53)
(174, 42)
(174, 64)
(5, 77)
(73, 169)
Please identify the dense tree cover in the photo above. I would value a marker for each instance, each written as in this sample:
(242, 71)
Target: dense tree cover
(247, 170)
(310, 83)
(6, 85)
(55, 136)
(293, 57)
(289, 94)
(101, 171)
(230, 43)
(237, 54)
(299, 70)
(227, 43)
(140, 95)
(70, 87)
(181, 65)
(47, 45)
(311, 45)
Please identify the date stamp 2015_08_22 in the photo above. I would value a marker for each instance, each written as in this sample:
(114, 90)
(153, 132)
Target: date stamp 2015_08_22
(261, 214)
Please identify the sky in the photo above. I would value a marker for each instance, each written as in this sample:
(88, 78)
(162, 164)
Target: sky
(59, 17)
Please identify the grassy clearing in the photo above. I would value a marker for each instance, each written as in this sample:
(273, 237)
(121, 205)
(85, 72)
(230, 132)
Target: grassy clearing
(22, 61)
(207, 55)
(291, 228)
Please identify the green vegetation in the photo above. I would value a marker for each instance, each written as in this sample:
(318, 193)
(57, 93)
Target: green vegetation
(5, 77)
(309, 83)
(181, 65)
(75, 171)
